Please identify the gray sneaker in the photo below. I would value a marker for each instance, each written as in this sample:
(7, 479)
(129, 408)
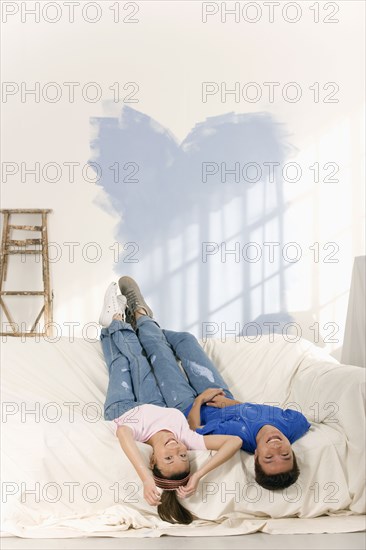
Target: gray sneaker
(135, 299)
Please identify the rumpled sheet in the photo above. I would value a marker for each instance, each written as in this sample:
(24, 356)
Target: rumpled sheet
(65, 475)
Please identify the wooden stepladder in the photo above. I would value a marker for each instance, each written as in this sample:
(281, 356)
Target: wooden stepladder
(15, 246)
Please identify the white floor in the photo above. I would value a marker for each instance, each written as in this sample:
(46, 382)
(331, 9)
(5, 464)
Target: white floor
(257, 541)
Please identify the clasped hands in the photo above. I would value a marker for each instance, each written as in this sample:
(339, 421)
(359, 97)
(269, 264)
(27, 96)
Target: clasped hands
(213, 397)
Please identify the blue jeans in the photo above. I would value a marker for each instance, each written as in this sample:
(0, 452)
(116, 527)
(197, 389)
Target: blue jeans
(143, 367)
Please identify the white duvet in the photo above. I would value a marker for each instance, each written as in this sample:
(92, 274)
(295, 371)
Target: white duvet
(65, 475)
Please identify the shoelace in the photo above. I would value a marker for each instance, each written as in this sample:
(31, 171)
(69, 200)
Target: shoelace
(132, 300)
(122, 310)
(117, 307)
(130, 318)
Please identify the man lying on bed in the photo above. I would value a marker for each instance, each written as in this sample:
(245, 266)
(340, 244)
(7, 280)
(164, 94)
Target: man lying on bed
(265, 430)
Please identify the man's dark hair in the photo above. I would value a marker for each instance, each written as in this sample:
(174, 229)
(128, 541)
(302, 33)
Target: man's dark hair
(276, 481)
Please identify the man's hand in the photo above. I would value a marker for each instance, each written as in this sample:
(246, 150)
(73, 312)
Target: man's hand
(191, 487)
(209, 394)
(220, 401)
(151, 493)
(217, 401)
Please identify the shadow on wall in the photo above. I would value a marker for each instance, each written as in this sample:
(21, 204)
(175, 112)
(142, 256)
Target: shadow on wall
(185, 206)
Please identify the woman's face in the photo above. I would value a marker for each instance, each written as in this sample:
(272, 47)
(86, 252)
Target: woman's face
(170, 456)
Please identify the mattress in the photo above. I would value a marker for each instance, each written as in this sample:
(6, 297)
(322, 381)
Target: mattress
(64, 473)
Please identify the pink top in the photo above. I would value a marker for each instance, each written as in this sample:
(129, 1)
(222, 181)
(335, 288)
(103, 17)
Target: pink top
(146, 420)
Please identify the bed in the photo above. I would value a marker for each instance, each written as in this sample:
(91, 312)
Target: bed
(65, 475)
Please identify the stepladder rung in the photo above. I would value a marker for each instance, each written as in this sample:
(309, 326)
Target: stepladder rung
(23, 242)
(25, 210)
(27, 227)
(24, 334)
(24, 251)
(22, 293)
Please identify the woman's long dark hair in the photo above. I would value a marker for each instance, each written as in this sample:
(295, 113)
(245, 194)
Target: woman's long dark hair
(170, 509)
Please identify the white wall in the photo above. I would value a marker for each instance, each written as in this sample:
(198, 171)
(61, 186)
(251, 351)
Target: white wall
(169, 52)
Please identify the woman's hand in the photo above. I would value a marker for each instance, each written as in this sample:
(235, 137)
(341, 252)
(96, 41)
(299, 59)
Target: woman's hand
(191, 487)
(209, 394)
(151, 493)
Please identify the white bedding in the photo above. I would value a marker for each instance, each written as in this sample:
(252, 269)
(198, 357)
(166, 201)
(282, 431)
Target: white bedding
(92, 488)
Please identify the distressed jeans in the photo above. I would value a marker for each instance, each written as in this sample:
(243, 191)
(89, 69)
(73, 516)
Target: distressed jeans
(143, 367)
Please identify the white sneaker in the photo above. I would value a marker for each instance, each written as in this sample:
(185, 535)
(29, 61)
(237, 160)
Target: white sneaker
(122, 303)
(110, 306)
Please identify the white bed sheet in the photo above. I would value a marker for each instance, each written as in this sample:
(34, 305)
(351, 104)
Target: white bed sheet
(83, 485)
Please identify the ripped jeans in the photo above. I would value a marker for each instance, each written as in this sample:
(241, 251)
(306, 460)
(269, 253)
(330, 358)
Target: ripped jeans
(143, 367)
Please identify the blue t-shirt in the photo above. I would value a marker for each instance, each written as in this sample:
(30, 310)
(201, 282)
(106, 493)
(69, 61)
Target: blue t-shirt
(246, 419)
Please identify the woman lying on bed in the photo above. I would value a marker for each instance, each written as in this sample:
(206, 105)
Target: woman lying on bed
(143, 412)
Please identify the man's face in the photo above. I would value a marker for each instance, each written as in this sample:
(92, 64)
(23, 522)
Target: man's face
(170, 456)
(274, 452)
